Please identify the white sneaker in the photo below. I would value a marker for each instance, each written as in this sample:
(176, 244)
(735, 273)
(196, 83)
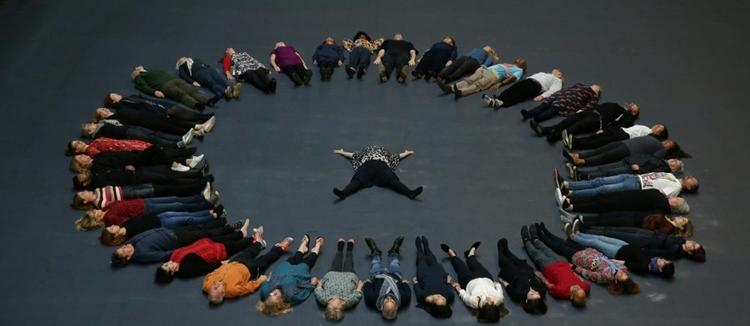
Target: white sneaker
(559, 197)
(188, 137)
(195, 160)
(565, 139)
(198, 132)
(487, 99)
(209, 124)
(180, 168)
(207, 191)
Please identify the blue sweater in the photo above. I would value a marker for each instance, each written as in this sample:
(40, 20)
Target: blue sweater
(328, 53)
(153, 246)
(292, 280)
(480, 55)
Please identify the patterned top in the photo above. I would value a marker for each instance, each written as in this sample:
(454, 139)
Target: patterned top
(573, 99)
(339, 284)
(240, 62)
(595, 266)
(105, 196)
(374, 152)
(348, 44)
(104, 144)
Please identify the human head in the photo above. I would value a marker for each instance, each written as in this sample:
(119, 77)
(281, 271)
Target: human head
(488, 313)
(690, 184)
(660, 131)
(229, 51)
(361, 35)
(165, 272)
(329, 40)
(622, 284)
(76, 147)
(597, 89)
(679, 205)
(389, 310)
(84, 199)
(280, 45)
(520, 63)
(82, 179)
(578, 296)
(113, 235)
(334, 310)
(274, 305)
(683, 226)
(558, 73)
(80, 163)
(121, 256)
(450, 40)
(673, 149)
(91, 220)
(534, 303)
(437, 306)
(216, 293)
(633, 108)
(111, 99)
(675, 165)
(137, 71)
(88, 129)
(398, 36)
(664, 268)
(102, 113)
(694, 250)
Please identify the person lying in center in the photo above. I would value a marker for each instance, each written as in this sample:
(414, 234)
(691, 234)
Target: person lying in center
(200, 74)
(432, 285)
(340, 288)
(386, 290)
(374, 166)
(395, 54)
(650, 200)
(165, 109)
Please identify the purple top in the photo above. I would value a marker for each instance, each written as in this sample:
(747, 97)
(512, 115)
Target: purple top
(286, 56)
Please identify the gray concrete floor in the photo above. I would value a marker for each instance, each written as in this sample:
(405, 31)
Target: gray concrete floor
(484, 174)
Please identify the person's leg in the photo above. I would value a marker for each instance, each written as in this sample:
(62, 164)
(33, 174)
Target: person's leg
(617, 183)
(469, 85)
(171, 220)
(389, 63)
(184, 188)
(488, 79)
(294, 76)
(203, 76)
(588, 123)
(192, 91)
(598, 243)
(463, 273)
(476, 267)
(555, 131)
(234, 246)
(258, 265)
(172, 90)
(609, 135)
(218, 79)
(448, 71)
(520, 91)
(376, 265)
(348, 265)
(337, 264)
(395, 184)
(353, 186)
(538, 256)
(156, 138)
(249, 255)
(615, 153)
(560, 246)
(547, 251)
(177, 112)
(429, 256)
(296, 258)
(394, 265)
(310, 259)
(469, 66)
(179, 205)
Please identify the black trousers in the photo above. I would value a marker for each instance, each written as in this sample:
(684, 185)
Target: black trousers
(218, 233)
(609, 153)
(308, 259)
(468, 271)
(523, 90)
(157, 122)
(145, 134)
(587, 121)
(183, 114)
(395, 61)
(376, 173)
(193, 265)
(628, 219)
(258, 264)
(340, 264)
(462, 66)
(562, 247)
(259, 78)
(297, 73)
(184, 189)
(542, 112)
(608, 135)
(615, 168)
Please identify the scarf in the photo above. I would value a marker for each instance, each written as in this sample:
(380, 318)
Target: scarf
(188, 62)
(653, 266)
(389, 285)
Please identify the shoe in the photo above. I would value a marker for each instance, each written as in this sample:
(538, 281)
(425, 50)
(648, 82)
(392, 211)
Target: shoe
(181, 144)
(456, 93)
(576, 225)
(526, 115)
(559, 181)
(497, 104)
(568, 229)
(533, 232)
(565, 139)
(395, 248)
(416, 192)
(194, 160)
(339, 193)
(308, 76)
(566, 154)
(360, 73)
(474, 246)
(350, 71)
(206, 192)
(401, 79)
(228, 92)
(447, 89)
(374, 250)
(571, 170)
(180, 168)
(445, 248)
(236, 90)
(525, 233)
(237, 225)
(220, 211)
(212, 102)
(566, 205)
(559, 198)
(488, 100)
(198, 132)
(187, 138)
(209, 124)
(566, 218)
(214, 198)
(536, 128)
(502, 245)
(383, 77)
(272, 88)
(570, 139)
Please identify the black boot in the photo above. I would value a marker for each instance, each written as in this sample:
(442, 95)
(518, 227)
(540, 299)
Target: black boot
(307, 77)
(525, 234)
(416, 192)
(374, 250)
(272, 86)
(474, 246)
(396, 246)
(502, 245)
(296, 78)
(533, 232)
(350, 71)
(360, 72)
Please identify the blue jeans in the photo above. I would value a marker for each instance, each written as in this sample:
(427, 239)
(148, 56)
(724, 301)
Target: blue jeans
(158, 205)
(209, 78)
(608, 246)
(393, 268)
(359, 58)
(171, 220)
(604, 185)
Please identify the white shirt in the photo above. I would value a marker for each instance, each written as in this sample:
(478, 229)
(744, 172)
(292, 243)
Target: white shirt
(550, 83)
(481, 288)
(665, 182)
(637, 131)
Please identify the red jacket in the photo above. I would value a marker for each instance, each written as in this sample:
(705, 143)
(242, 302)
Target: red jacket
(123, 210)
(208, 250)
(115, 145)
(562, 277)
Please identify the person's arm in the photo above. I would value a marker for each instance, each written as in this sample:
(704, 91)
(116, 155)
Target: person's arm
(342, 55)
(471, 302)
(272, 60)
(488, 61)
(556, 86)
(405, 292)
(378, 58)
(503, 82)
(405, 154)
(413, 59)
(226, 66)
(544, 280)
(303, 60)
(342, 152)
(143, 86)
(316, 54)
(595, 277)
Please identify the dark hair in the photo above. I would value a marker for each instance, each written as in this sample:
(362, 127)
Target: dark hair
(623, 287)
(163, 276)
(664, 134)
(693, 189)
(667, 271)
(361, 33)
(697, 254)
(77, 183)
(676, 152)
(117, 260)
(452, 41)
(441, 312)
(108, 101)
(109, 239)
(488, 313)
(70, 150)
(535, 307)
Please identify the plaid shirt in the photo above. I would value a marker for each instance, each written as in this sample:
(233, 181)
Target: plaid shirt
(208, 250)
(573, 99)
(596, 267)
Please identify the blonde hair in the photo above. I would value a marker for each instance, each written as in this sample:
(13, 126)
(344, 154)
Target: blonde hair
(88, 222)
(76, 166)
(273, 309)
(334, 313)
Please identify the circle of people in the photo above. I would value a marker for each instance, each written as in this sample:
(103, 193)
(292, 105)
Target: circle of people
(138, 179)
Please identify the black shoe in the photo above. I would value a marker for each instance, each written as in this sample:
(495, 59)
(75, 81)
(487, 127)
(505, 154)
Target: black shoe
(567, 156)
(424, 242)
(350, 71)
(444, 247)
(536, 128)
(272, 89)
(396, 245)
(360, 73)
(401, 79)
(525, 114)
(339, 193)
(456, 93)
(220, 211)
(374, 250)
(447, 89)
(525, 233)
(199, 106)
(237, 225)
(533, 233)
(502, 245)
(416, 192)
(212, 102)
(307, 77)
(552, 138)
(474, 246)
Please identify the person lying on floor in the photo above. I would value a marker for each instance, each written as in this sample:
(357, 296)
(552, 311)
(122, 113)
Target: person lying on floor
(395, 54)
(104, 196)
(476, 286)
(538, 87)
(290, 283)
(386, 290)
(243, 67)
(154, 121)
(205, 255)
(152, 156)
(650, 200)
(375, 166)
(161, 84)
(115, 235)
(120, 211)
(595, 120)
(432, 285)
(104, 144)
(116, 130)
(89, 180)
(340, 288)
(556, 273)
(361, 48)
(200, 74)
(156, 245)
(520, 281)
(613, 152)
(285, 59)
(655, 244)
(492, 77)
(163, 108)
(589, 262)
(566, 102)
(468, 63)
(437, 58)
(632, 164)
(660, 223)
(612, 134)
(328, 55)
(242, 274)
(667, 183)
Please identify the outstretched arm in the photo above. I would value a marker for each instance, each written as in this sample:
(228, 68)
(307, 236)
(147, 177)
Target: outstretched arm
(380, 55)
(342, 152)
(405, 154)
(413, 59)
